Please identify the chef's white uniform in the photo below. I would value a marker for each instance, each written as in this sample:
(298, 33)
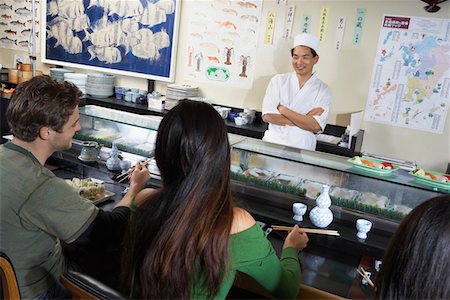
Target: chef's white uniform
(284, 89)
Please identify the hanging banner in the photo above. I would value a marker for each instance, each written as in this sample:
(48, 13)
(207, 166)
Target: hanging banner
(340, 28)
(306, 24)
(270, 27)
(289, 21)
(359, 25)
(323, 23)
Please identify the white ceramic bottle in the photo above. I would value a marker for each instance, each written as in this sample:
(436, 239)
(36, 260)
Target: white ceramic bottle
(321, 215)
(113, 162)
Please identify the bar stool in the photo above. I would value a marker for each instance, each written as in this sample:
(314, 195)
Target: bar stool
(9, 286)
(83, 286)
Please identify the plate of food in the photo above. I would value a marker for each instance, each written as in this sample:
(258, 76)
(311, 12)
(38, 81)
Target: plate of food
(88, 188)
(373, 165)
(436, 179)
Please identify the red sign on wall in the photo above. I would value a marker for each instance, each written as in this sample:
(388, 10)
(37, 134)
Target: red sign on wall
(396, 22)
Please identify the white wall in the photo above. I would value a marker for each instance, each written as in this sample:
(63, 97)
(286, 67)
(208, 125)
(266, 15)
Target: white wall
(347, 72)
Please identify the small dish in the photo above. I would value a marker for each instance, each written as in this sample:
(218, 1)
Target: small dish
(87, 160)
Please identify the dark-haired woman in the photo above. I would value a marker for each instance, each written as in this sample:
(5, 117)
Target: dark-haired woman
(417, 262)
(189, 239)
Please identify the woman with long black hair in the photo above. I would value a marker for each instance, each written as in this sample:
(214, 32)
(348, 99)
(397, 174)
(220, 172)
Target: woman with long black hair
(189, 238)
(416, 264)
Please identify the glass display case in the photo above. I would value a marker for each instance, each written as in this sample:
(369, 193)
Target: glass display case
(278, 175)
(132, 133)
(282, 175)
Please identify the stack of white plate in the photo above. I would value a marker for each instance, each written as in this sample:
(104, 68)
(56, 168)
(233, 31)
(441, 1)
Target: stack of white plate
(100, 85)
(78, 79)
(58, 73)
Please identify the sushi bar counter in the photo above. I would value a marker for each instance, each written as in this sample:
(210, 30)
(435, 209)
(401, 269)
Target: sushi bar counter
(267, 179)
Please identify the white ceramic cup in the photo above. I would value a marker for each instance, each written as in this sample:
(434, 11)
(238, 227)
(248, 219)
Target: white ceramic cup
(377, 265)
(363, 226)
(251, 112)
(299, 209)
(240, 121)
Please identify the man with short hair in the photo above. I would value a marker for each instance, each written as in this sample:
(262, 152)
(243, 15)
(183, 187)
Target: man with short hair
(38, 209)
(296, 104)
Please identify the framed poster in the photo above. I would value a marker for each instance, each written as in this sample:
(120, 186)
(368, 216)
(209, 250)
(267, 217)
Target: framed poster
(127, 37)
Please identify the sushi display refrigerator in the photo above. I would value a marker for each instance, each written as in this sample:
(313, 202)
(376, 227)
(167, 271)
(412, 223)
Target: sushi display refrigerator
(267, 179)
(278, 176)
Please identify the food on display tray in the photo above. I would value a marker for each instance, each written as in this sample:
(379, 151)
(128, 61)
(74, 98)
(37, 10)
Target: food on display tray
(259, 173)
(432, 175)
(287, 179)
(373, 165)
(312, 188)
(402, 208)
(432, 178)
(373, 199)
(343, 193)
(87, 188)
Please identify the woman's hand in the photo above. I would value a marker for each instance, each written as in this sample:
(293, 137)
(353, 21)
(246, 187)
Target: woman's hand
(139, 177)
(296, 238)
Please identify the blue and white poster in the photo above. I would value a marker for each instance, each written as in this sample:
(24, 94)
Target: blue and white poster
(127, 37)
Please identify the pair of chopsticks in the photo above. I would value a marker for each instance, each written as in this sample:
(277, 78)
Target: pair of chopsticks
(363, 274)
(124, 176)
(307, 230)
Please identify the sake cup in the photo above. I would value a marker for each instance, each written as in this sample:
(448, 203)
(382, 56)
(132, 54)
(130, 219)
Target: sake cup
(363, 226)
(299, 209)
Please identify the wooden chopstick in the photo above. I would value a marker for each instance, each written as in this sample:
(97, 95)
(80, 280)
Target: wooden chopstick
(307, 230)
(362, 272)
(124, 176)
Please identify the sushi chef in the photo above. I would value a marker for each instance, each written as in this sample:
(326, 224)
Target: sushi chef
(296, 104)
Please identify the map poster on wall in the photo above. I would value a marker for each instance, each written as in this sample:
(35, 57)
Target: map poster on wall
(222, 39)
(133, 37)
(411, 77)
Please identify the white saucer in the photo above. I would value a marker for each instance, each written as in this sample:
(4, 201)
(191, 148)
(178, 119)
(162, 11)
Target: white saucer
(87, 160)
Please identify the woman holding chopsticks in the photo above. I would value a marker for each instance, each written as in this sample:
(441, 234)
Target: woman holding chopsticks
(189, 239)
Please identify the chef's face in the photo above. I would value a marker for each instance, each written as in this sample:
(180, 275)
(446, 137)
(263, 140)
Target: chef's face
(63, 140)
(303, 60)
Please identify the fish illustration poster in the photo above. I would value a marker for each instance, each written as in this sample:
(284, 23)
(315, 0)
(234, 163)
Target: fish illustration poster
(16, 23)
(133, 37)
(222, 42)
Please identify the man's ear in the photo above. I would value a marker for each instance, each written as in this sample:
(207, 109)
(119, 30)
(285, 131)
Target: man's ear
(316, 59)
(44, 132)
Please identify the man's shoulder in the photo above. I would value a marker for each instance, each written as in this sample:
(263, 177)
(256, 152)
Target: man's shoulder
(282, 76)
(321, 85)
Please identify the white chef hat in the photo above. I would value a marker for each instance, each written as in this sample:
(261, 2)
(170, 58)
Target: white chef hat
(308, 40)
